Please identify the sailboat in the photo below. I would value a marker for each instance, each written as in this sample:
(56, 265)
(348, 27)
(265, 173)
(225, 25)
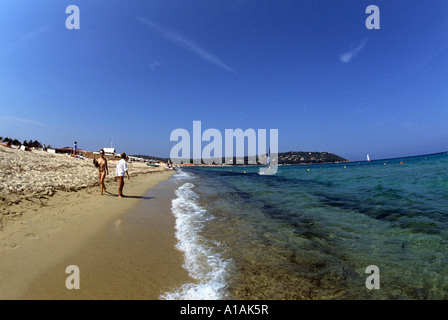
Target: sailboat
(368, 158)
(268, 164)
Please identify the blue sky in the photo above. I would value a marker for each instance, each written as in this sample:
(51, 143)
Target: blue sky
(137, 70)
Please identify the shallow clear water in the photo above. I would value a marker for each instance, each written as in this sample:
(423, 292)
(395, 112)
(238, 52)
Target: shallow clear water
(310, 234)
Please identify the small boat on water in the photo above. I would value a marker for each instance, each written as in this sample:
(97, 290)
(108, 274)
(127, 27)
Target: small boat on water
(152, 165)
(368, 157)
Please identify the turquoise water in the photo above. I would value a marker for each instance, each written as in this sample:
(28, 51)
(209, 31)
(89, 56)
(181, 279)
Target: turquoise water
(310, 232)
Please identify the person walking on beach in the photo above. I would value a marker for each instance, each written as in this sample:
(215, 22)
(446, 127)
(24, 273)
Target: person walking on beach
(103, 170)
(122, 169)
(75, 149)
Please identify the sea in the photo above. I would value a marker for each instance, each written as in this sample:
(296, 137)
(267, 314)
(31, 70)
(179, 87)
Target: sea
(315, 231)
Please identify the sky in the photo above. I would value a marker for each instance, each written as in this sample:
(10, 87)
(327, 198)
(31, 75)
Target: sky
(137, 70)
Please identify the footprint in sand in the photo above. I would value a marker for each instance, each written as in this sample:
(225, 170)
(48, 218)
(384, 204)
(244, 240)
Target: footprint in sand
(14, 246)
(32, 236)
(54, 230)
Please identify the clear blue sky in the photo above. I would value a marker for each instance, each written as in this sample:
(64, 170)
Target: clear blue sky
(136, 70)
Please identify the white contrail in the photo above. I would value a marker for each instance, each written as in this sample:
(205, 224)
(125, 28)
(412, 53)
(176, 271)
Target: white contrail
(186, 44)
(24, 120)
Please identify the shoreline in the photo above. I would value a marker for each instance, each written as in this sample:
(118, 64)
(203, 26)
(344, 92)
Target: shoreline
(81, 227)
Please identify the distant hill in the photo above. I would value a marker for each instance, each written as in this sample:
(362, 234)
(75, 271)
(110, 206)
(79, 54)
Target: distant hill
(291, 157)
(150, 157)
(300, 157)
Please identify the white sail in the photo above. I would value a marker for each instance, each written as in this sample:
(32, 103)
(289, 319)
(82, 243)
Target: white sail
(368, 158)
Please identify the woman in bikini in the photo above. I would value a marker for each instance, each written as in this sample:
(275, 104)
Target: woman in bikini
(103, 170)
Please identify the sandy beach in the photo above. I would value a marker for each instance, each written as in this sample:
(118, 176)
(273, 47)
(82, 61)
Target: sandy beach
(31, 178)
(53, 216)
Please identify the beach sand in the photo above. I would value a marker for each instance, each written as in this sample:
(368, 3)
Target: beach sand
(28, 179)
(124, 248)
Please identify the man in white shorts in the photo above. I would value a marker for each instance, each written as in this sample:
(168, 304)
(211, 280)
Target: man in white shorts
(122, 169)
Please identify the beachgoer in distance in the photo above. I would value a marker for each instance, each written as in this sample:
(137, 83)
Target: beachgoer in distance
(122, 169)
(75, 148)
(103, 170)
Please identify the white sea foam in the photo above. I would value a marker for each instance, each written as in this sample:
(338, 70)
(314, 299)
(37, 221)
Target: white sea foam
(203, 260)
(181, 175)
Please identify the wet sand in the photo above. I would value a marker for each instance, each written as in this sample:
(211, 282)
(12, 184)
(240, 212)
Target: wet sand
(124, 248)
